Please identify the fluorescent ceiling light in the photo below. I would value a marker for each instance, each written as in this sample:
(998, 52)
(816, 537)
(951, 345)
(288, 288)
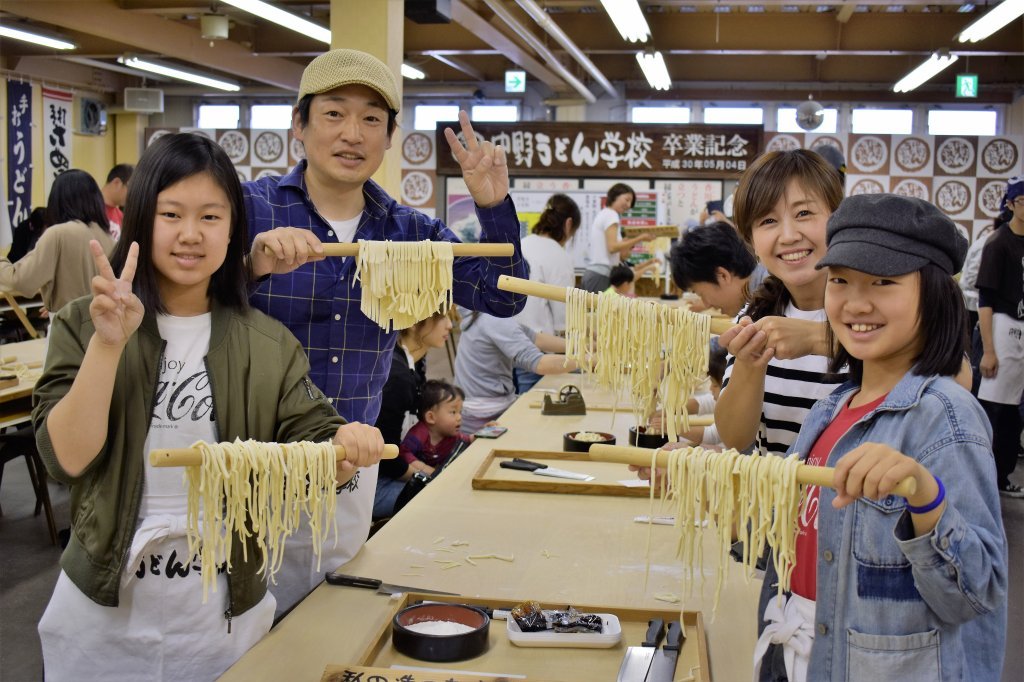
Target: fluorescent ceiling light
(37, 38)
(653, 66)
(628, 18)
(992, 21)
(280, 17)
(412, 72)
(174, 72)
(924, 72)
(100, 64)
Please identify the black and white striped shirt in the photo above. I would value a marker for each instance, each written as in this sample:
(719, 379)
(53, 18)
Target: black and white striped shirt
(791, 387)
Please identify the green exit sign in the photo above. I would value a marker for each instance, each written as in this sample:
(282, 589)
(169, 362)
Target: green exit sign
(967, 85)
(515, 81)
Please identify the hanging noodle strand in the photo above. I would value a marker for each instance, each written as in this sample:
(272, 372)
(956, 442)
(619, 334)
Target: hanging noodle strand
(404, 282)
(261, 490)
(642, 347)
(756, 496)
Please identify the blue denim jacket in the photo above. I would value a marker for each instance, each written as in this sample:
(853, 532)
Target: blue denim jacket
(891, 605)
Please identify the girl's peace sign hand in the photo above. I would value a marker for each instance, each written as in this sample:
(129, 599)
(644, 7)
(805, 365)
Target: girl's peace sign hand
(115, 310)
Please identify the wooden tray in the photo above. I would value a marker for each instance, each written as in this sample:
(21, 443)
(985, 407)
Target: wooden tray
(490, 476)
(656, 230)
(537, 664)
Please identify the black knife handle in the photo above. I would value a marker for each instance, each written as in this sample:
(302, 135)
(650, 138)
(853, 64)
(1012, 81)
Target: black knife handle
(537, 465)
(522, 466)
(655, 629)
(675, 637)
(335, 578)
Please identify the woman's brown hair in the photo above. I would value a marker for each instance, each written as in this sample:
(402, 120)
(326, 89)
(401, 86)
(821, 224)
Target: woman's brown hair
(552, 221)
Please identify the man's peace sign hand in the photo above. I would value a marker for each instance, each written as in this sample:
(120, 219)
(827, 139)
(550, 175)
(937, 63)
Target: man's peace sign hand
(115, 310)
(483, 165)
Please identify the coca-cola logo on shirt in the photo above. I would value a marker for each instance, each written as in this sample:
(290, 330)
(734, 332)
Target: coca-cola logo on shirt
(179, 397)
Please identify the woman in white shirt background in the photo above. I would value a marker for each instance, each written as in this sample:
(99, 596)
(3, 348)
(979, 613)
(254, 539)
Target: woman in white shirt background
(606, 247)
(550, 263)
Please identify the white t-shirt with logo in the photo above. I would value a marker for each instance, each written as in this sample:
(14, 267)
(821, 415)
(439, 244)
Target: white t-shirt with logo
(160, 627)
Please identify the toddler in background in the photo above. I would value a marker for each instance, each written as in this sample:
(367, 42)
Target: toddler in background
(707, 436)
(434, 438)
(621, 280)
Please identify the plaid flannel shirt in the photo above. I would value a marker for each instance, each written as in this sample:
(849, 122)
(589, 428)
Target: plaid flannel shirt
(349, 354)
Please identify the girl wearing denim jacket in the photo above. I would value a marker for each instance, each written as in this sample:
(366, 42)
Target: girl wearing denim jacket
(886, 586)
(165, 354)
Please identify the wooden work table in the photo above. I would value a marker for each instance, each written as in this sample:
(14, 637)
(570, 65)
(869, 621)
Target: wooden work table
(25, 352)
(596, 556)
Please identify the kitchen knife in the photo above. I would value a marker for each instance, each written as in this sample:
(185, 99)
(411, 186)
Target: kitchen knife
(663, 666)
(336, 578)
(543, 469)
(637, 660)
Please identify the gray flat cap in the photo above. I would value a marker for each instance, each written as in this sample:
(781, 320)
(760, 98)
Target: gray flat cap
(889, 235)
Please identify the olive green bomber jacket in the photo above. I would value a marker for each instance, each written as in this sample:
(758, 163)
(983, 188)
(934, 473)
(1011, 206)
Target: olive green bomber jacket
(261, 390)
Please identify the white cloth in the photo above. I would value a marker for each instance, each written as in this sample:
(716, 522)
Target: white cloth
(345, 230)
(549, 263)
(705, 402)
(792, 626)
(1008, 343)
(598, 257)
(969, 274)
(300, 571)
(410, 419)
(160, 629)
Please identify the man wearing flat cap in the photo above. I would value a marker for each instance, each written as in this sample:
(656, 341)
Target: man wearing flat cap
(1001, 323)
(345, 118)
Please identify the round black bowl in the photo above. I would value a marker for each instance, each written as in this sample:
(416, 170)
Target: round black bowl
(426, 647)
(570, 444)
(639, 437)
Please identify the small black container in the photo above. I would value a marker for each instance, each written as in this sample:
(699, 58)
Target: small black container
(639, 437)
(570, 444)
(427, 647)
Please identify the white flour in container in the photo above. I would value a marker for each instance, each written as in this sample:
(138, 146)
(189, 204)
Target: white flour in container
(439, 627)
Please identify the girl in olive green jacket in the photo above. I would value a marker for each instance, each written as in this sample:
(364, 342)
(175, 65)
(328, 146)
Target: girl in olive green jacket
(163, 355)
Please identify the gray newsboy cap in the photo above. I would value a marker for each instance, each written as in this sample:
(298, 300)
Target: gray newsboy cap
(889, 235)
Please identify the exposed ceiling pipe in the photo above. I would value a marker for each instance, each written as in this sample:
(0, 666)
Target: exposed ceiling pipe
(555, 31)
(541, 49)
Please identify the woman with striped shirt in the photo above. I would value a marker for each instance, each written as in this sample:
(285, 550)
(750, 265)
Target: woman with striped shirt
(778, 364)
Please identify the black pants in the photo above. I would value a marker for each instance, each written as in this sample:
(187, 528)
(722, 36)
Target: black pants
(1006, 427)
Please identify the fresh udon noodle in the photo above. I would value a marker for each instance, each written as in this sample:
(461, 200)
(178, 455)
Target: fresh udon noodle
(404, 282)
(756, 495)
(261, 490)
(651, 348)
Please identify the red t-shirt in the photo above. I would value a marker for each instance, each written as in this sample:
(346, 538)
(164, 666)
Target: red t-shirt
(115, 216)
(804, 579)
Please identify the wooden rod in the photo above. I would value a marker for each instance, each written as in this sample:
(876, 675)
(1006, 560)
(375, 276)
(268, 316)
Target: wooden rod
(458, 249)
(191, 457)
(20, 314)
(805, 475)
(10, 363)
(695, 420)
(516, 285)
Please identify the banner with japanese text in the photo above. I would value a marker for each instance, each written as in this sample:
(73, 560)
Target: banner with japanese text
(19, 151)
(621, 150)
(56, 134)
